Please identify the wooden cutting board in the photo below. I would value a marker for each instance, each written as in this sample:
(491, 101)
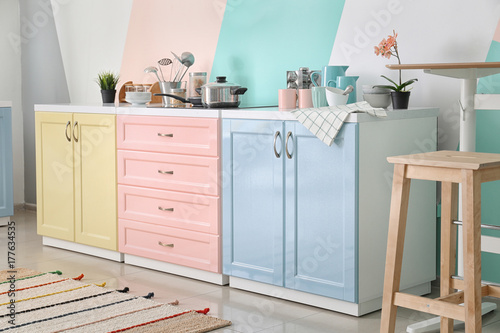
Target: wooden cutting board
(155, 89)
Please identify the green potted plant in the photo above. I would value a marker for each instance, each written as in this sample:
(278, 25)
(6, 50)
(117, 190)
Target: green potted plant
(107, 81)
(400, 96)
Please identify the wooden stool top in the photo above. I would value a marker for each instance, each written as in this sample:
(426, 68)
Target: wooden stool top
(450, 159)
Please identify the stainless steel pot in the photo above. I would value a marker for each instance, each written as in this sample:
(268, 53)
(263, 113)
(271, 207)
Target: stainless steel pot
(221, 94)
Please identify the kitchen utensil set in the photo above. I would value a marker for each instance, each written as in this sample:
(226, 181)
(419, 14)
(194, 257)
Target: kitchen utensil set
(183, 63)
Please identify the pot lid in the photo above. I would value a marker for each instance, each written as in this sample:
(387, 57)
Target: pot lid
(220, 83)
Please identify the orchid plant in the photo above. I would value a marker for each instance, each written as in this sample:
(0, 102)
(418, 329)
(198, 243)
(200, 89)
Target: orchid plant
(387, 48)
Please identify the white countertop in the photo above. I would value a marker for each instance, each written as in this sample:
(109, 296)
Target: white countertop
(262, 113)
(5, 104)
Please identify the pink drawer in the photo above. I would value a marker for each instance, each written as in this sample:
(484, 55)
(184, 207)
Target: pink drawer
(186, 248)
(193, 174)
(172, 209)
(177, 135)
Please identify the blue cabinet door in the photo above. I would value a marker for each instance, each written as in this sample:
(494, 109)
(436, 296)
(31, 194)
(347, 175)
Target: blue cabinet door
(321, 212)
(6, 187)
(253, 200)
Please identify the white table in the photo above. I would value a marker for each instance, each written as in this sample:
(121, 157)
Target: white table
(468, 73)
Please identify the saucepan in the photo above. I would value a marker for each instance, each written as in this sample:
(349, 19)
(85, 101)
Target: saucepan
(218, 94)
(221, 94)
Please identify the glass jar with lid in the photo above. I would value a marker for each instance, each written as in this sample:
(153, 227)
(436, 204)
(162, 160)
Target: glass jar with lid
(196, 80)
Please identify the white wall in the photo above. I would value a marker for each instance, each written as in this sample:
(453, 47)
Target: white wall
(10, 86)
(92, 37)
(429, 31)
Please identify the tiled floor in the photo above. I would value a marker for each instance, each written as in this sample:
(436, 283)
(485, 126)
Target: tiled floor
(249, 312)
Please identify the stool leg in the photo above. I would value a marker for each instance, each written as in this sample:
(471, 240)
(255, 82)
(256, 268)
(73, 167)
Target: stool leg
(471, 207)
(395, 246)
(449, 210)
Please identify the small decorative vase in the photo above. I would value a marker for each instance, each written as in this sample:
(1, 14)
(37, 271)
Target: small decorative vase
(400, 99)
(108, 96)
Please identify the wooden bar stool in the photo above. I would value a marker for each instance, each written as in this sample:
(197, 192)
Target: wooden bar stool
(451, 168)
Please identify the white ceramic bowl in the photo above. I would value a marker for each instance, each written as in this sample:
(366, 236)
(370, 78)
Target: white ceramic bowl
(367, 89)
(334, 96)
(378, 100)
(137, 98)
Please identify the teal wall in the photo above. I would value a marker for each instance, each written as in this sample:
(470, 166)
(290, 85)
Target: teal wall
(488, 140)
(260, 40)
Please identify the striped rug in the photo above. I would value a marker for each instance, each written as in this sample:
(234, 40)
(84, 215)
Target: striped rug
(32, 301)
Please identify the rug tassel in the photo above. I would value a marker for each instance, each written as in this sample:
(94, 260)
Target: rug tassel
(150, 295)
(176, 302)
(124, 290)
(204, 311)
(56, 272)
(79, 277)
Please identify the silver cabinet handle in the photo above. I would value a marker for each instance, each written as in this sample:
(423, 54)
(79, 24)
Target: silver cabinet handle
(276, 135)
(167, 135)
(166, 172)
(166, 245)
(165, 209)
(288, 136)
(66, 131)
(74, 127)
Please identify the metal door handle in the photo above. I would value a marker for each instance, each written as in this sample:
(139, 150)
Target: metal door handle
(66, 131)
(169, 135)
(166, 172)
(166, 245)
(278, 155)
(74, 136)
(288, 136)
(165, 209)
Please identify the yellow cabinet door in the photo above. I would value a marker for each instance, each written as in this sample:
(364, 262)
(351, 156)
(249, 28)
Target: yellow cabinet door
(54, 175)
(94, 145)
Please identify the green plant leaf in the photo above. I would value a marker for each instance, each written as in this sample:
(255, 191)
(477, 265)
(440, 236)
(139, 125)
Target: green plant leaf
(107, 80)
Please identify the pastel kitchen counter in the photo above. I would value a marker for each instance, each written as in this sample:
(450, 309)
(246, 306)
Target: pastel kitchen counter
(263, 113)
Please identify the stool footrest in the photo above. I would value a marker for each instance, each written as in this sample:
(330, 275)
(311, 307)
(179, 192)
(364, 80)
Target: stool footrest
(432, 306)
(483, 226)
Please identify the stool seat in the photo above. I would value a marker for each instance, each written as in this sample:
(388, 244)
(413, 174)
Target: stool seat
(451, 168)
(450, 159)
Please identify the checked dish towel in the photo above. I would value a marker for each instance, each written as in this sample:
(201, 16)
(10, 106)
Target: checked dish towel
(326, 122)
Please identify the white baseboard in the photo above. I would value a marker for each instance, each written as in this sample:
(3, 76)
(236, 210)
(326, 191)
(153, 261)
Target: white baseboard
(189, 272)
(81, 248)
(323, 302)
(4, 221)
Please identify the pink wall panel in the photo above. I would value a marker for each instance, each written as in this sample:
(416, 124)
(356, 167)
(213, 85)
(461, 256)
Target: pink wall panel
(496, 36)
(158, 27)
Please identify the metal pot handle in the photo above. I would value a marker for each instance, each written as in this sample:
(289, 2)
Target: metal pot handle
(183, 100)
(238, 91)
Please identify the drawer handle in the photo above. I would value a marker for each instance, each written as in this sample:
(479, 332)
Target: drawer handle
(166, 245)
(165, 209)
(166, 135)
(166, 172)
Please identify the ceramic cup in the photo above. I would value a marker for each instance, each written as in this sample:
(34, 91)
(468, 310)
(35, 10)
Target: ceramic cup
(319, 97)
(305, 98)
(287, 99)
